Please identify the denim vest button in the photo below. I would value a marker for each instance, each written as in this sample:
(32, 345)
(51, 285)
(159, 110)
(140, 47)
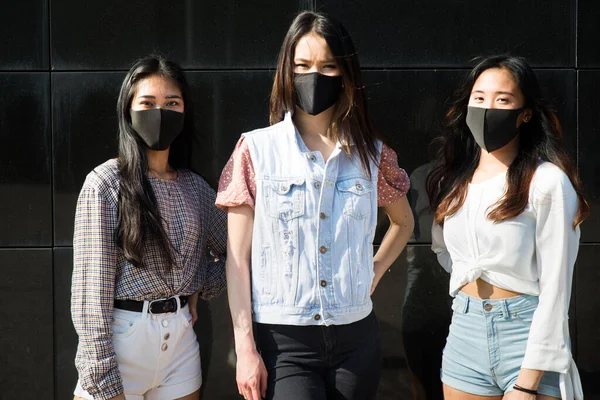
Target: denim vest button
(323, 283)
(317, 317)
(317, 185)
(322, 215)
(359, 186)
(313, 158)
(323, 249)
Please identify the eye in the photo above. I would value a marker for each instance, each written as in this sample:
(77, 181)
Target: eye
(477, 98)
(330, 66)
(172, 103)
(503, 100)
(301, 66)
(146, 103)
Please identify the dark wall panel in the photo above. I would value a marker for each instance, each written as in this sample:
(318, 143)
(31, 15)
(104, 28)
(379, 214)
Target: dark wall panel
(440, 33)
(65, 338)
(217, 34)
(24, 35)
(588, 51)
(588, 325)
(26, 324)
(589, 143)
(25, 153)
(85, 135)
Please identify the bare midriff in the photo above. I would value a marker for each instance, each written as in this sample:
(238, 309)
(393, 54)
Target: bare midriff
(485, 290)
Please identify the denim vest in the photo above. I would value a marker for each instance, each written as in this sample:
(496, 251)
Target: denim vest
(314, 224)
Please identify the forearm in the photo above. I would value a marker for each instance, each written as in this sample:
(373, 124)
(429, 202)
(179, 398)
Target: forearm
(398, 234)
(238, 293)
(529, 378)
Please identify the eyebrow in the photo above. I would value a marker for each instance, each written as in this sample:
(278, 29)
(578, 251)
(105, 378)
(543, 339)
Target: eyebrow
(498, 92)
(328, 60)
(171, 96)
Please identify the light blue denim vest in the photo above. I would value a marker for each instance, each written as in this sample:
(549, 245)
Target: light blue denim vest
(314, 224)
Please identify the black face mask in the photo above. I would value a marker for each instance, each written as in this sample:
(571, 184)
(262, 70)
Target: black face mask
(316, 92)
(157, 127)
(493, 128)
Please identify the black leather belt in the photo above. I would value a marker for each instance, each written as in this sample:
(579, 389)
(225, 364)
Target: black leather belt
(155, 307)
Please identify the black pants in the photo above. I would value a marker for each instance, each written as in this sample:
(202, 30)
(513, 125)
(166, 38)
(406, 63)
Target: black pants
(321, 362)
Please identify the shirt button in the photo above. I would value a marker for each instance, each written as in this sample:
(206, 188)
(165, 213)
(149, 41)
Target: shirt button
(165, 323)
(317, 317)
(317, 185)
(323, 249)
(322, 215)
(488, 307)
(164, 347)
(313, 158)
(323, 283)
(167, 336)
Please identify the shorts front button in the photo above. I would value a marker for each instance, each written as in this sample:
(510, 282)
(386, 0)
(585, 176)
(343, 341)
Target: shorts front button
(165, 323)
(488, 307)
(164, 347)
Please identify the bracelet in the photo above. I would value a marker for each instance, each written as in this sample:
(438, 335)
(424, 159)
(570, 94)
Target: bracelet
(522, 389)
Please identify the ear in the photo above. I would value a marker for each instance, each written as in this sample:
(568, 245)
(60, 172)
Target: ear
(527, 114)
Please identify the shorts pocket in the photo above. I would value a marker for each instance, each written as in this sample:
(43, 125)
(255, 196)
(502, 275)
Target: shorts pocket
(122, 328)
(524, 316)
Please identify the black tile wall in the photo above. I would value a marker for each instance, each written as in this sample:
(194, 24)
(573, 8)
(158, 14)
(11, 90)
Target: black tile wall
(25, 154)
(223, 34)
(61, 66)
(24, 35)
(85, 135)
(65, 337)
(26, 323)
(589, 142)
(588, 325)
(439, 33)
(588, 52)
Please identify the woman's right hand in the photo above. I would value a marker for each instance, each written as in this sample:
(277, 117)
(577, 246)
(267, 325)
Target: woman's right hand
(251, 375)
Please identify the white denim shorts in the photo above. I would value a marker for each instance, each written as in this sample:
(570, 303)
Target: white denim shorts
(157, 354)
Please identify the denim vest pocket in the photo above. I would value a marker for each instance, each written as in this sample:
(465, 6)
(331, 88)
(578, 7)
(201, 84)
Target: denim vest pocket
(284, 198)
(356, 196)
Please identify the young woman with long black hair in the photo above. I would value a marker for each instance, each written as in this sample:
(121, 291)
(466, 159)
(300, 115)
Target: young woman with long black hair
(302, 197)
(508, 204)
(145, 228)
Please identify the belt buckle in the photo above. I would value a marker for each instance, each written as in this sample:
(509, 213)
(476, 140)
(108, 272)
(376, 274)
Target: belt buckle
(165, 301)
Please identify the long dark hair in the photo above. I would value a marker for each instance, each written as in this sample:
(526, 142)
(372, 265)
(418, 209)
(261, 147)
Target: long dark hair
(540, 138)
(351, 118)
(139, 217)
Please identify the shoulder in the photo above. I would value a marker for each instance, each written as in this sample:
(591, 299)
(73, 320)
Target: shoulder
(551, 183)
(104, 177)
(197, 182)
(265, 132)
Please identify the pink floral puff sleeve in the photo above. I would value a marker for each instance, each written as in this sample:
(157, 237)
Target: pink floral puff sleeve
(393, 182)
(237, 185)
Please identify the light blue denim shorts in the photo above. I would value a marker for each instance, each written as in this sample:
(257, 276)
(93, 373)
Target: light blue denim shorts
(486, 345)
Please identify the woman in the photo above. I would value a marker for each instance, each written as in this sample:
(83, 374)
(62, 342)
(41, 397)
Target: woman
(508, 205)
(302, 198)
(144, 227)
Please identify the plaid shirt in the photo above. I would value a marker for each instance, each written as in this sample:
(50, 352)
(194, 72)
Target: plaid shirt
(197, 229)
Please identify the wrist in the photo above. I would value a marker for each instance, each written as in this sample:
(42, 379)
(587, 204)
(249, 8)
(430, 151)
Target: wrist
(527, 390)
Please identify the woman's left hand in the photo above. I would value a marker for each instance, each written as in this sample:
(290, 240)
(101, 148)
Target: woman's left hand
(518, 395)
(193, 305)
